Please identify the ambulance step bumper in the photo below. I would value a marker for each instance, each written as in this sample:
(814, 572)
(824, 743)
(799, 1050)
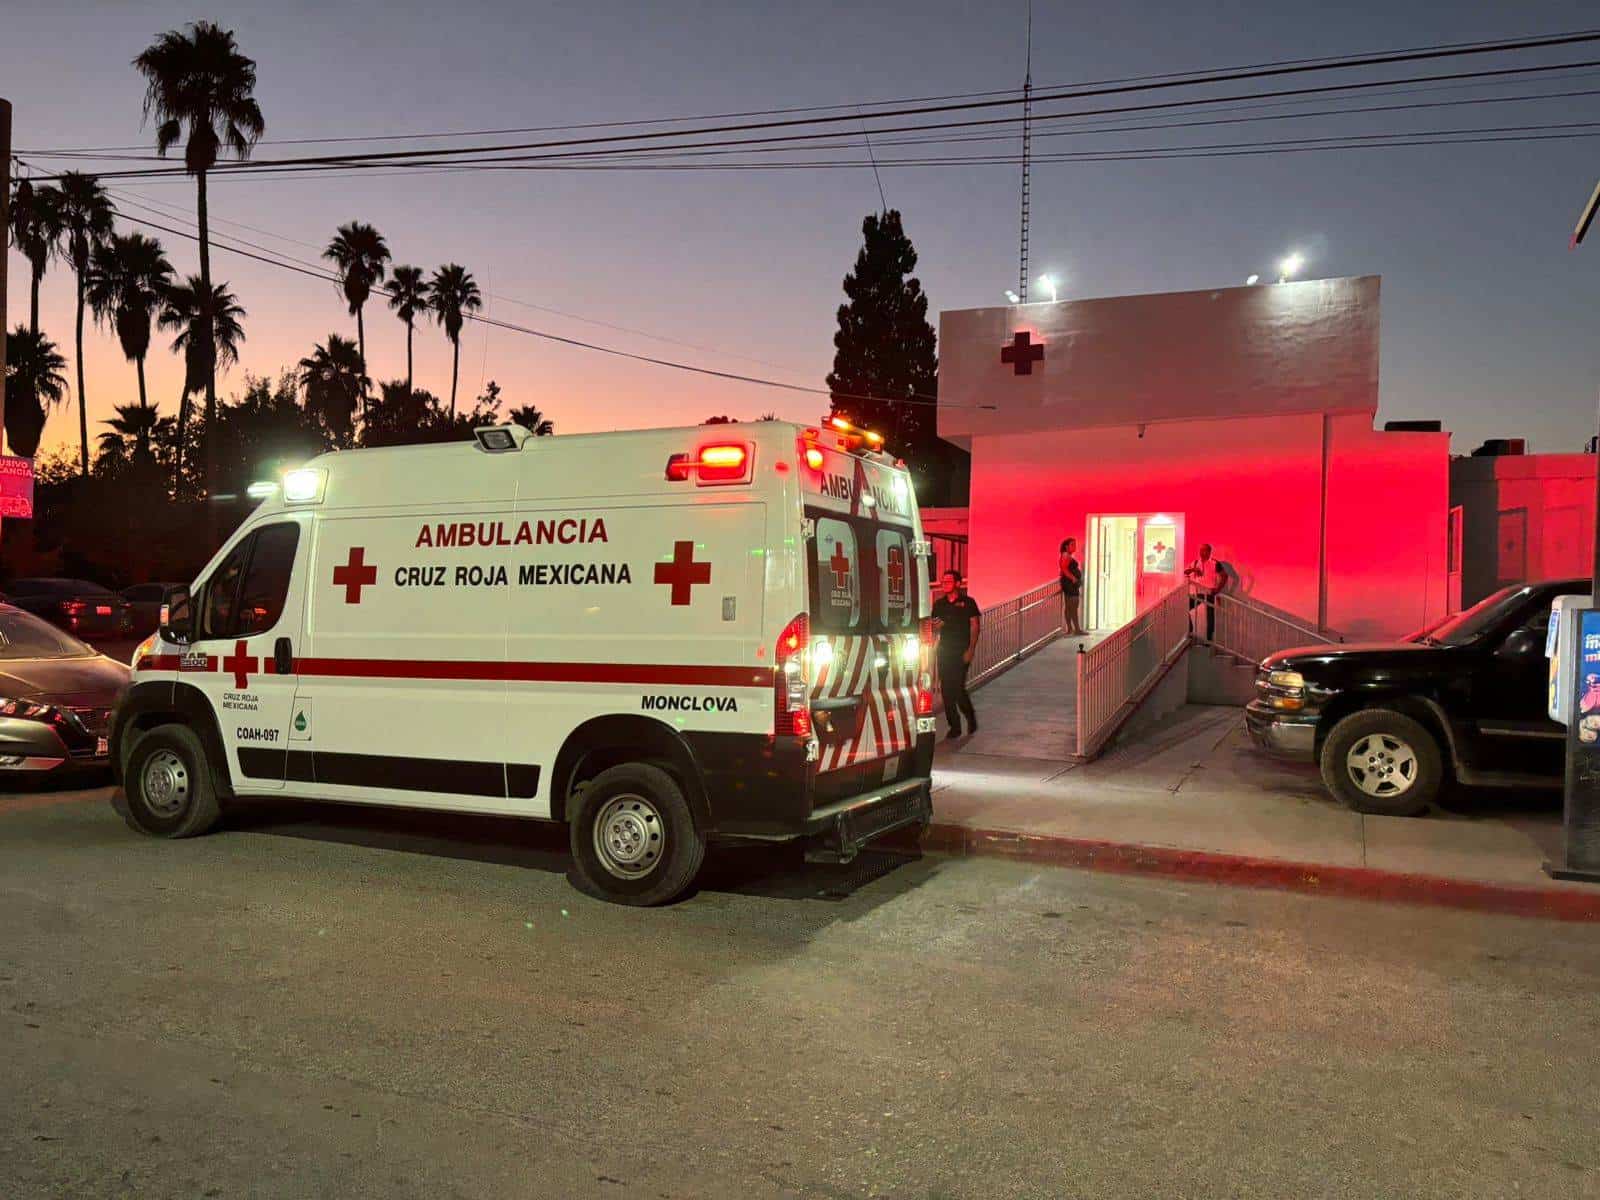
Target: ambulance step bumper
(839, 830)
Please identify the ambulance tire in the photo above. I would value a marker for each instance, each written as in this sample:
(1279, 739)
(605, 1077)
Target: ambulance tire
(634, 837)
(167, 783)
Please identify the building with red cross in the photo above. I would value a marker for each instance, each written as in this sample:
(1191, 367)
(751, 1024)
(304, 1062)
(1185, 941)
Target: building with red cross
(1244, 417)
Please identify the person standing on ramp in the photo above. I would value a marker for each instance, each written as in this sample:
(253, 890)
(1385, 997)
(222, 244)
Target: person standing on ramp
(956, 615)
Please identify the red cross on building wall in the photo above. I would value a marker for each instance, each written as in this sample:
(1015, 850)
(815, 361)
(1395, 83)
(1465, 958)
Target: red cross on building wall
(682, 573)
(355, 574)
(1022, 353)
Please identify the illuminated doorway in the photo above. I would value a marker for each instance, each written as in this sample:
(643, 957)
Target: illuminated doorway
(1135, 558)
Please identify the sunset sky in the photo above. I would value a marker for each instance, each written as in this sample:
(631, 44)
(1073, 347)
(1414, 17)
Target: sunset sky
(1489, 321)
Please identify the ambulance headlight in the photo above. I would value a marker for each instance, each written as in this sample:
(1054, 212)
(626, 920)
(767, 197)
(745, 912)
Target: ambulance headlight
(910, 651)
(304, 486)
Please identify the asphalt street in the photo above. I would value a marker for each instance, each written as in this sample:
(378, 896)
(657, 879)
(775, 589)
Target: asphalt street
(317, 1001)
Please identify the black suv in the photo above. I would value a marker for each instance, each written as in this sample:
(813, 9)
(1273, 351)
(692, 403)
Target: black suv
(1387, 721)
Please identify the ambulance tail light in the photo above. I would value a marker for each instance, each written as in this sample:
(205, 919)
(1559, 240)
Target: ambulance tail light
(925, 669)
(790, 686)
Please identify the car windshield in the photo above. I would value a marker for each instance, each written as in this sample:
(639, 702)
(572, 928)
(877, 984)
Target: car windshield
(23, 635)
(1463, 627)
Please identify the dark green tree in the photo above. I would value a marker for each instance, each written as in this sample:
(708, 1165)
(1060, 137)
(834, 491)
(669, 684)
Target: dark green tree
(334, 382)
(885, 362)
(408, 296)
(129, 276)
(35, 382)
(362, 258)
(185, 313)
(86, 216)
(35, 230)
(201, 91)
(452, 295)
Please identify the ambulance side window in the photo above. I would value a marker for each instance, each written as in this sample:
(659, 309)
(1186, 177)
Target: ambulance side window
(896, 581)
(222, 593)
(266, 583)
(836, 577)
(246, 594)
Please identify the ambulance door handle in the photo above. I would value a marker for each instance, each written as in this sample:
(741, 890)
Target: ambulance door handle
(283, 657)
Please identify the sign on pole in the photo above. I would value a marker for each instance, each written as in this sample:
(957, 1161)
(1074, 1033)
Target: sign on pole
(16, 487)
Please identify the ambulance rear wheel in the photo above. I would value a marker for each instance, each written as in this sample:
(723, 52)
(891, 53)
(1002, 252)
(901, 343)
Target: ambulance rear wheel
(634, 838)
(168, 785)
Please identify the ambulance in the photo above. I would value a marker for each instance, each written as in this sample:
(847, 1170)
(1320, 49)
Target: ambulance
(660, 638)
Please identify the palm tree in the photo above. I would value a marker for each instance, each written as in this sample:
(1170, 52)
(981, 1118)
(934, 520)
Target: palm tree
(35, 229)
(335, 383)
(184, 313)
(197, 79)
(362, 257)
(131, 431)
(454, 293)
(408, 295)
(86, 214)
(35, 382)
(531, 419)
(128, 280)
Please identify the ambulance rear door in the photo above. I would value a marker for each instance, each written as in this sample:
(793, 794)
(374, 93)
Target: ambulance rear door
(865, 582)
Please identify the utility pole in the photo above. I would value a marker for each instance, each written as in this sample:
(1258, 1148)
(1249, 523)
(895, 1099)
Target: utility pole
(5, 244)
(1027, 143)
(1580, 809)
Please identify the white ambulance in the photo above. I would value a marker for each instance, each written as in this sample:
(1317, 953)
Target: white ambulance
(657, 637)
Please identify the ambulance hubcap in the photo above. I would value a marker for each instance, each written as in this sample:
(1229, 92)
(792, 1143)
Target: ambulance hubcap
(165, 783)
(629, 836)
(1381, 764)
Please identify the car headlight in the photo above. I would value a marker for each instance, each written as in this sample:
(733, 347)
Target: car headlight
(1287, 679)
(27, 710)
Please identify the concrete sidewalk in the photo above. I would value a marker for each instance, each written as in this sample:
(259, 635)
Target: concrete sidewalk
(1197, 799)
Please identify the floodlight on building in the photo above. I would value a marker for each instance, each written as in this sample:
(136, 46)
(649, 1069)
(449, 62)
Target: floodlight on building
(1048, 282)
(1252, 280)
(1290, 266)
(1012, 297)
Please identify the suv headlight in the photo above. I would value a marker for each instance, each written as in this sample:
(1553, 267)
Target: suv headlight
(1287, 679)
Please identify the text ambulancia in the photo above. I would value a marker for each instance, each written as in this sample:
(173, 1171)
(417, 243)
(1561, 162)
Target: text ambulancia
(658, 637)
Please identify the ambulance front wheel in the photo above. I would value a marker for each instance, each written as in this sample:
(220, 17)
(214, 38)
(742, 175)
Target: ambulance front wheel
(634, 838)
(168, 785)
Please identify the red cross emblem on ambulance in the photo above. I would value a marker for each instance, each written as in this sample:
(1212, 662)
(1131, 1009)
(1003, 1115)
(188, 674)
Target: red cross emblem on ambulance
(682, 573)
(355, 574)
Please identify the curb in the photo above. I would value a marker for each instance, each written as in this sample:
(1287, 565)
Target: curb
(1239, 870)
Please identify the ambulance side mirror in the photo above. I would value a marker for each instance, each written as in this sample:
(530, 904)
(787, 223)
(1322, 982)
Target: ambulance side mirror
(177, 615)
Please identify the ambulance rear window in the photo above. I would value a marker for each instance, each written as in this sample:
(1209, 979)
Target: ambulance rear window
(836, 572)
(895, 581)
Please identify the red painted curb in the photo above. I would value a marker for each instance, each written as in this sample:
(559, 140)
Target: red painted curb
(1239, 870)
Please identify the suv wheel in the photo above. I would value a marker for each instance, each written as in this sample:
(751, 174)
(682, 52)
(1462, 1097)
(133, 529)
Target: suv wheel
(634, 838)
(168, 784)
(1383, 762)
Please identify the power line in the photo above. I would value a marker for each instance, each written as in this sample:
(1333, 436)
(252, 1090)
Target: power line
(508, 161)
(559, 338)
(1313, 63)
(1385, 59)
(172, 212)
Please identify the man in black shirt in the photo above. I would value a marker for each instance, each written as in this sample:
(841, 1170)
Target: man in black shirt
(956, 615)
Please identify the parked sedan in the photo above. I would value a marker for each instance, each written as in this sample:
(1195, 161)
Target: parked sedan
(55, 698)
(77, 606)
(144, 601)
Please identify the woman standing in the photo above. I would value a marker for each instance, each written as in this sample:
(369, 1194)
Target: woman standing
(1071, 589)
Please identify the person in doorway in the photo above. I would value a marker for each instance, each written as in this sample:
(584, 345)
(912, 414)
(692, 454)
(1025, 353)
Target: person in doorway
(1071, 589)
(955, 614)
(1206, 578)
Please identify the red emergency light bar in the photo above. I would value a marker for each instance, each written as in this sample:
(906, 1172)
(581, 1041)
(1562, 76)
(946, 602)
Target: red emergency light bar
(721, 462)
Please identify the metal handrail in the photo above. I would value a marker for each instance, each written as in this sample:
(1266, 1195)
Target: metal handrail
(1252, 631)
(1013, 629)
(1116, 673)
